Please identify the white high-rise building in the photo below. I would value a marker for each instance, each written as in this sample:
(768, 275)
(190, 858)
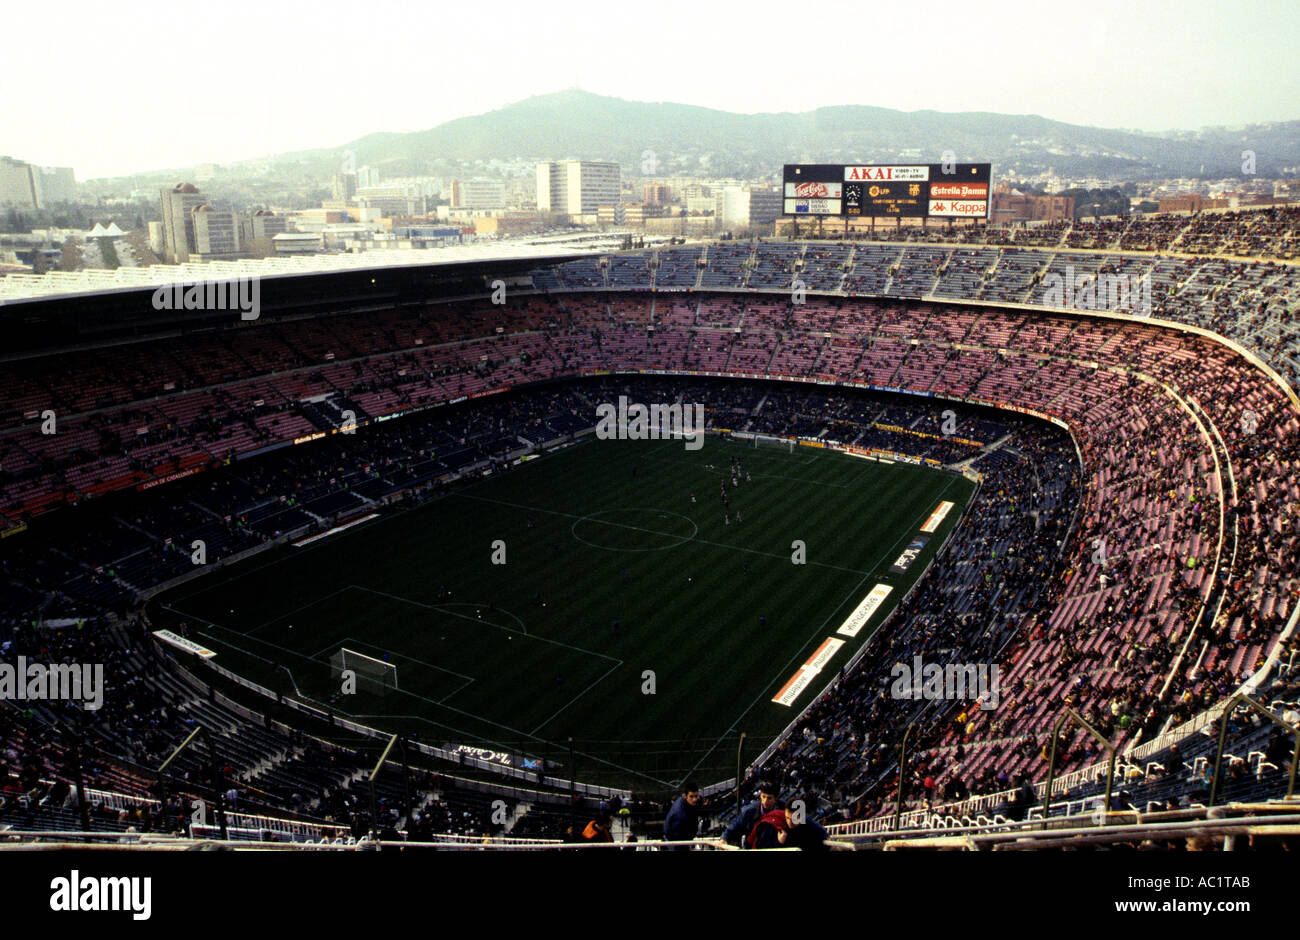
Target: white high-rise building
(745, 206)
(25, 186)
(54, 185)
(577, 188)
(16, 186)
(216, 234)
(478, 194)
(178, 204)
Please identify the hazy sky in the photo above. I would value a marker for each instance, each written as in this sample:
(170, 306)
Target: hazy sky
(115, 88)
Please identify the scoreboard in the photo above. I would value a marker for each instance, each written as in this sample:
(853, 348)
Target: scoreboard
(919, 190)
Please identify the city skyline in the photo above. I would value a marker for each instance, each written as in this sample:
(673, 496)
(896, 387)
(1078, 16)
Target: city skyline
(1200, 65)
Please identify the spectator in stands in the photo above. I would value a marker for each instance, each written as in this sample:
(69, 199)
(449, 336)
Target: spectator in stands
(598, 830)
(683, 820)
(808, 834)
(770, 832)
(752, 814)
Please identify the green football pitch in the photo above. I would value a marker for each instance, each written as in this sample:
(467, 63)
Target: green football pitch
(627, 615)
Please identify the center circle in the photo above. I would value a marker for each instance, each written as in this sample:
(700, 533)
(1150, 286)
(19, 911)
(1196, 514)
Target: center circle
(634, 530)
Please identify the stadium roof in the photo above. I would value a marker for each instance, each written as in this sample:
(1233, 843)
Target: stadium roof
(97, 281)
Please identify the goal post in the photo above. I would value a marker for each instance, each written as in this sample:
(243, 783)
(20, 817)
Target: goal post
(768, 440)
(373, 675)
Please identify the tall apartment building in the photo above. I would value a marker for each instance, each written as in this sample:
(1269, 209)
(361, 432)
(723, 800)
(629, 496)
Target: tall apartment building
(405, 199)
(156, 242)
(25, 186)
(53, 185)
(216, 234)
(367, 176)
(478, 194)
(16, 187)
(258, 231)
(178, 205)
(577, 188)
(345, 186)
(745, 206)
(656, 194)
(611, 215)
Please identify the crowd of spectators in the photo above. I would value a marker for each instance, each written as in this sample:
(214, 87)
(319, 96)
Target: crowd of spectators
(1018, 584)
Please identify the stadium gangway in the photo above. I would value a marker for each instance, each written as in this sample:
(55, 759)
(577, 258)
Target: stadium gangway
(214, 756)
(1241, 698)
(54, 841)
(118, 801)
(1278, 820)
(1233, 819)
(649, 845)
(256, 825)
(1069, 714)
(452, 838)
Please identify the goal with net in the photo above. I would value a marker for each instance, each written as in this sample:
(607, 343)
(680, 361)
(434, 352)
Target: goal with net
(767, 440)
(372, 675)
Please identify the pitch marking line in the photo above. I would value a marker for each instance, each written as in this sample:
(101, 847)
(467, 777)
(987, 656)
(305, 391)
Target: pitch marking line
(763, 476)
(697, 541)
(600, 679)
(469, 680)
(296, 610)
(617, 662)
(415, 695)
(851, 595)
(591, 517)
(373, 646)
(221, 642)
(477, 736)
(442, 609)
(540, 639)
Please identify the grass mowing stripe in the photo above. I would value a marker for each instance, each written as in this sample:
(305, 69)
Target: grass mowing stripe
(543, 639)
(556, 512)
(690, 613)
(851, 596)
(599, 679)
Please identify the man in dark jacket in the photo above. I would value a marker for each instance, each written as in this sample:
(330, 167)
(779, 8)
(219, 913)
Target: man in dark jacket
(770, 832)
(598, 829)
(749, 816)
(683, 820)
(803, 832)
(789, 828)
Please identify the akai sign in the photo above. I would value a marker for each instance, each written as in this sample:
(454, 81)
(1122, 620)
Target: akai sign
(907, 174)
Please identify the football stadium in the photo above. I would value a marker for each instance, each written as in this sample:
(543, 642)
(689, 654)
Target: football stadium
(371, 566)
(885, 456)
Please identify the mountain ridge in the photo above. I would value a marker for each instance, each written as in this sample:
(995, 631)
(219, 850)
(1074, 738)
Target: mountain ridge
(692, 139)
